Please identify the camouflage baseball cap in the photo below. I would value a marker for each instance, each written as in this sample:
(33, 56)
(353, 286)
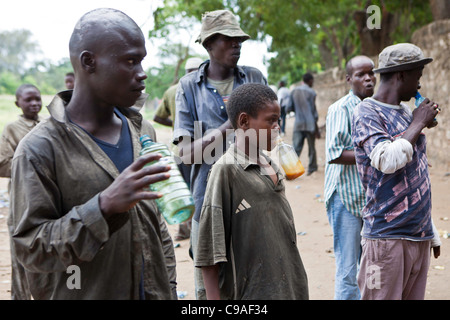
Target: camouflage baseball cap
(220, 21)
(401, 57)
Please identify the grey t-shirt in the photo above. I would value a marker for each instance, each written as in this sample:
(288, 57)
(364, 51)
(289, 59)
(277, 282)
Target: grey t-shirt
(303, 98)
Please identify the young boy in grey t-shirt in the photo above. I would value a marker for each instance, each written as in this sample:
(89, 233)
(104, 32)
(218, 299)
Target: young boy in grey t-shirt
(247, 239)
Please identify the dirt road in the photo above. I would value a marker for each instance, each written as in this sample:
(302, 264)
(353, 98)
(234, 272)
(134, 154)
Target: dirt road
(314, 234)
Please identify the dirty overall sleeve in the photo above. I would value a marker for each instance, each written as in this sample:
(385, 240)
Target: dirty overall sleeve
(169, 255)
(46, 239)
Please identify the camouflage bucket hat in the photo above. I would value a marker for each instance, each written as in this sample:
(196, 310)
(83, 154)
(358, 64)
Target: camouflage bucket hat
(222, 22)
(401, 57)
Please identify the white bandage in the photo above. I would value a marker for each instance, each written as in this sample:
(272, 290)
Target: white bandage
(389, 156)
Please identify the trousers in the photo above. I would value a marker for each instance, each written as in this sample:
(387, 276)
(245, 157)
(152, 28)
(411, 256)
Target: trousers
(347, 248)
(394, 269)
(298, 139)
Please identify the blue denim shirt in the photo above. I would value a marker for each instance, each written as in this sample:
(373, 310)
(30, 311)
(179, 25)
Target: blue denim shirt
(199, 108)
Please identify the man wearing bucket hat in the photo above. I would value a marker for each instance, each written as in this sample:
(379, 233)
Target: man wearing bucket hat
(390, 151)
(201, 100)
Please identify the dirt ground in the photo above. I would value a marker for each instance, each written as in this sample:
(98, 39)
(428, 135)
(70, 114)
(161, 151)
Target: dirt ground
(315, 240)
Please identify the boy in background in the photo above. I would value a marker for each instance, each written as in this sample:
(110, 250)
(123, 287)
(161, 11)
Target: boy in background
(247, 245)
(69, 80)
(28, 98)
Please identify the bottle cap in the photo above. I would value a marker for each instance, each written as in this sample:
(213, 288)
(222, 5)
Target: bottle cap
(144, 138)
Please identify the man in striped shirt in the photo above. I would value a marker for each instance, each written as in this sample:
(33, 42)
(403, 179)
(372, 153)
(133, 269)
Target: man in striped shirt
(344, 193)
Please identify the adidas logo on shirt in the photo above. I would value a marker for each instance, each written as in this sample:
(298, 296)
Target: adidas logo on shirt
(244, 205)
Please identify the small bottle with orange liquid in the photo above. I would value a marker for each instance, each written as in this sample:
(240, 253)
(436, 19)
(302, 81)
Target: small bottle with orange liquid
(289, 160)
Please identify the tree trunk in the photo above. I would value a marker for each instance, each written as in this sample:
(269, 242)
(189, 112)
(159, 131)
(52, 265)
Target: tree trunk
(183, 56)
(440, 9)
(336, 44)
(326, 55)
(373, 41)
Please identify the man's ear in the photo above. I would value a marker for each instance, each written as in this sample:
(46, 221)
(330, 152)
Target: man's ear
(348, 78)
(87, 60)
(243, 120)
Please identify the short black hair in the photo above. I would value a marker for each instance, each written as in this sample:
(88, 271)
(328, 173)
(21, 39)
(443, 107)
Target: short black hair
(249, 98)
(23, 87)
(307, 77)
(385, 77)
(85, 35)
(349, 67)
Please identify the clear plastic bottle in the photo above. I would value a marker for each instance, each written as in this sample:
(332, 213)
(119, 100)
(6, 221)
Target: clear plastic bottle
(176, 204)
(419, 99)
(289, 160)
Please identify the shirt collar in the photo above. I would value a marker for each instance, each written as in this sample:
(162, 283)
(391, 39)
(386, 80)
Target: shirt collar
(241, 158)
(28, 122)
(387, 105)
(201, 73)
(353, 95)
(57, 107)
(244, 161)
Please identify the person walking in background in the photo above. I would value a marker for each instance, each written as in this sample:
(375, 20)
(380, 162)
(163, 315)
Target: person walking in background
(28, 99)
(283, 94)
(303, 101)
(344, 192)
(391, 158)
(201, 120)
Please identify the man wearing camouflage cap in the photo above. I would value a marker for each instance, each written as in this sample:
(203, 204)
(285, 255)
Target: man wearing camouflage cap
(390, 150)
(201, 100)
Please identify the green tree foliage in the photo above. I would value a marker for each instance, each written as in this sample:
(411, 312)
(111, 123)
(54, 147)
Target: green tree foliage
(159, 79)
(9, 82)
(16, 47)
(309, 35)
(303, 35)
(48, 77)
(18, 66)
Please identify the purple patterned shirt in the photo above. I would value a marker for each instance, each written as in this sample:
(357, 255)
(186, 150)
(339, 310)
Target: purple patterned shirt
(398, 204)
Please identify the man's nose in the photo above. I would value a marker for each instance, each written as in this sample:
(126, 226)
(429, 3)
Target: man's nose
(236, 42)
(141, 75)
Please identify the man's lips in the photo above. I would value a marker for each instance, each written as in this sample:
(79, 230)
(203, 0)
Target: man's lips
(139, 89)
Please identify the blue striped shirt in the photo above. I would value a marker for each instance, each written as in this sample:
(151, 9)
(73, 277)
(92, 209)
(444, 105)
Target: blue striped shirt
(343, 179)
